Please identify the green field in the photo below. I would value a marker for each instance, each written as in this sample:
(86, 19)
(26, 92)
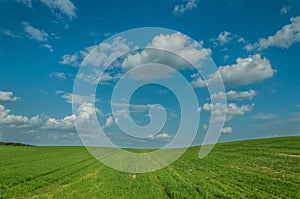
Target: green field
(265, 168)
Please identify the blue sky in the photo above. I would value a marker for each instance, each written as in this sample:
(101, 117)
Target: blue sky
(255, 44)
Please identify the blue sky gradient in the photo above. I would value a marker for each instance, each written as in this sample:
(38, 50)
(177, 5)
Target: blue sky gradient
(255, 44)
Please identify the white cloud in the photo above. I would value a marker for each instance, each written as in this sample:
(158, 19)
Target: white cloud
(72, 60)
(79, 99)
(136, 107)
(293, 117)
(7, 97)
(65, 124)
(161, 136)
(97, 76)
(104, 53)
(10, 34)
(264, 116)
(43, 122)
(34, 33)
(157, 51)
(241, 40)
(223, 38)
(188, 5)
(249, 47)
(58, 92)
(14, 121)
(86, 111)
(245, 71)
(31, 131)
(58, 75)
(98, 55)
(226, 57)
(65, 7)
(146, 74)
(109, 121)
(48, 46)
(27, 3)
(198, 82)
(283, 38)
(235, 95)
(122, 111)
(226, 130)
(232, 109)
(284, 10)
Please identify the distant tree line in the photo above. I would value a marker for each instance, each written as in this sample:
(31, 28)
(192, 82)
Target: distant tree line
(13, 144)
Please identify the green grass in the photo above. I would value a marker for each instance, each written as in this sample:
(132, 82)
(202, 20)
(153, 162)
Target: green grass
(265, 168)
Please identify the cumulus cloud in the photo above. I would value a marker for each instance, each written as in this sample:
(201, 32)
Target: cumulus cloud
(158, 51)
(264, 116)
(284, 10)
(232, 109)
(34, 33)
(162, 136)
(16, 121)
(245, 71)
(109, 121)
(235, 95)
(65, 7)
(58, 75)
(227, 129)
(105, 53)
(8, 120)
(7, 97)
(65, 124)
(187, 5)
(283, 38)
(99, 55)
(73, 60)
(86, 111)
(225, 37)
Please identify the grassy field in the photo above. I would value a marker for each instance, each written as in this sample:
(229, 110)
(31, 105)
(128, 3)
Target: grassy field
(265, 168)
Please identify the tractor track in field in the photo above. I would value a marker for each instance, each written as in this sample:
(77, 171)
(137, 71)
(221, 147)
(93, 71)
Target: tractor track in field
(63, 186)
(162, 186)
(67, 175)
(45, 174)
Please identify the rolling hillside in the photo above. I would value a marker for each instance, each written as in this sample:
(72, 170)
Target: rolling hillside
(264, 168)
